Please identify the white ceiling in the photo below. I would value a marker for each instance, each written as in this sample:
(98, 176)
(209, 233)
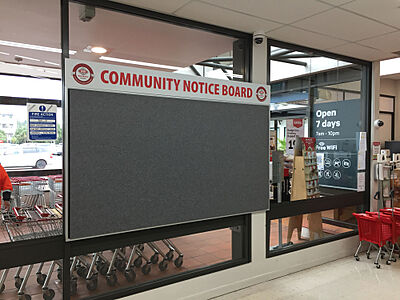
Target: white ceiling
(124, 36)
(365, 29)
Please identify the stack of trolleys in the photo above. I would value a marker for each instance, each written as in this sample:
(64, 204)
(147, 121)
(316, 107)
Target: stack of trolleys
(55, 185)
(29, 191)
(377, 230)
(24, 224)
(395, 213)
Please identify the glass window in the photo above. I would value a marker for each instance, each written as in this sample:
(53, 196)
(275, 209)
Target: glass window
(137, 264)
(143, 43)
(313, 95)
(30, 56)
(299, 229)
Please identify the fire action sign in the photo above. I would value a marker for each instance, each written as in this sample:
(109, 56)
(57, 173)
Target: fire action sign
(42, 122)
(113, 78)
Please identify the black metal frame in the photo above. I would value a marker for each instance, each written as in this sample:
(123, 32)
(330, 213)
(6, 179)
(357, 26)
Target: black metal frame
(393, 114)
(347, 199)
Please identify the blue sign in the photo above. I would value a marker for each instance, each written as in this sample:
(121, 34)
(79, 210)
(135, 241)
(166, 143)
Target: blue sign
(42, 122)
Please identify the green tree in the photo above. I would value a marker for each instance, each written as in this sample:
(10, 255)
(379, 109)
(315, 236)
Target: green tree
(3, 136)
(21, 134)
(59, 134)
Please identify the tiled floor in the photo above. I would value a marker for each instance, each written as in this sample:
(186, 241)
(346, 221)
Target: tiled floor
(342, 279)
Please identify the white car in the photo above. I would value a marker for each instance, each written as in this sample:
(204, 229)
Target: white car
(26, 156)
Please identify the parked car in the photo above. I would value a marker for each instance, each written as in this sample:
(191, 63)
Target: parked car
(26, 156)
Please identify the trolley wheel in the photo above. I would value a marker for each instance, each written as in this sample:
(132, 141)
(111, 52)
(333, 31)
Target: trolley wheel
(138, 262)
(120, 265)
(378, 266)
(382, 255)
(163, 265)
(154, 258)
(60, 274)
(394, 259)
(111, 279)
(146, 269)
(368, 256)
(41, 164)
(74, 288)
(18, 282)
(2, 288)
(104, 269)
(388, 262)
(48, 294)
(178, 262)
(82, 271)
(91, 284)
(357, 258)
(24, 297)
(170, 255)
(130, 275)
(40, 278)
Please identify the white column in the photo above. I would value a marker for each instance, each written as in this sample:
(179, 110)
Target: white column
(259, 75)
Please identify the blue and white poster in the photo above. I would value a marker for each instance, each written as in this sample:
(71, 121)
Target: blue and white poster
(42, 122)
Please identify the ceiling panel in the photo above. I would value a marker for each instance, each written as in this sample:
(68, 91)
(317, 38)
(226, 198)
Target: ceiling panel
(167, 7)
(336, 2)
(305, 38)
(386, 11)
(388, 42)
(283, 11)
(343, 25)
(362, 52)
(226, 18)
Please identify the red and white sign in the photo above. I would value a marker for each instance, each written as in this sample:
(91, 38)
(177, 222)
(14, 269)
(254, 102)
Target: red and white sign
(122, 79)
(294, 127)
(82, 73)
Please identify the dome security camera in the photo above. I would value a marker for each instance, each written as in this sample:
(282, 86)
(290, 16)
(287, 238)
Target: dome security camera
(378, 123)
(259, 37)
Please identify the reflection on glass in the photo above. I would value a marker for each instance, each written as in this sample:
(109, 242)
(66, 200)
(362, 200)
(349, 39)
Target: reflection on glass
(36, 209)
(39, 281)
(112, 269)
(303, 228)
(16, 152)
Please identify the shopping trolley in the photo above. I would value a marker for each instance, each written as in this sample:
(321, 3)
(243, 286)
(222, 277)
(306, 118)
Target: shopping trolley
(28, 191)
(25, 224)
(376, 229)
(55, 186)
(395, 213)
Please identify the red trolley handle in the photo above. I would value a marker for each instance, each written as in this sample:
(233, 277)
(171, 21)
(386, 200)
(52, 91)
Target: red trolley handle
(17, 215)
(59, 206)
(41, 212)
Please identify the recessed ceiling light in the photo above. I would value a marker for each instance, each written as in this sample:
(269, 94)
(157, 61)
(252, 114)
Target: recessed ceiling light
(139, 63)
(4, 53)
(51, 63)
(98, 50)
(27, 57)
(33, 47)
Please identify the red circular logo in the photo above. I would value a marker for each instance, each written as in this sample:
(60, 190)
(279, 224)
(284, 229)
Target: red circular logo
(83, 74)
(261, 94)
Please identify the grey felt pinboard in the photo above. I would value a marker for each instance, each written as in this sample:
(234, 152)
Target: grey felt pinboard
(139, 161)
